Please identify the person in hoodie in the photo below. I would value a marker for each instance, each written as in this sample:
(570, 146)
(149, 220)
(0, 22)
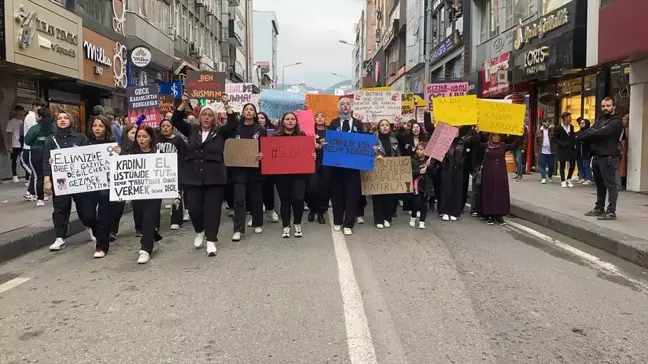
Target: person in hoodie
(291, 187)
(99, 201)
(269, 192)
(345, 183)
(169, 142)
(583, 154)
(35, 139)
(383, 205)
(64, 137)
(319, 182)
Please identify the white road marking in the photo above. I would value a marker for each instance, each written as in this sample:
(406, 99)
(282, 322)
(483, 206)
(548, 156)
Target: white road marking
(12, 283)
(360, 343)
(591, 260)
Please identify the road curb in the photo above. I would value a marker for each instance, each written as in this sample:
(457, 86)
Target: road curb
(16, 243)
(624, 246)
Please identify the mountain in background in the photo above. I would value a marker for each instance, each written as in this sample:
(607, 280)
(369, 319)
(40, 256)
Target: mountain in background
(330, 90)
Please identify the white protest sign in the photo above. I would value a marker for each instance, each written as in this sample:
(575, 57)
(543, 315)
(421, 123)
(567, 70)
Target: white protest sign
(238, 87)
(371, 106)
(237, 100)
(81, 169)
(144, 176)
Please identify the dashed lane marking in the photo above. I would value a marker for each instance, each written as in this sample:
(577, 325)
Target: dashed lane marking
(12, 283)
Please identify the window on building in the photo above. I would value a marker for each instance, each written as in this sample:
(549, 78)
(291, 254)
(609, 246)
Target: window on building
(184, 28)
(518, 10)
(99, 10)
(176, 10)
(550, 5)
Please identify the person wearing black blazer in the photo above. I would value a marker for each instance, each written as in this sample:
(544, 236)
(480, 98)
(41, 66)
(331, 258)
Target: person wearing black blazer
(204, 169)
(566, 149)
(345, 183)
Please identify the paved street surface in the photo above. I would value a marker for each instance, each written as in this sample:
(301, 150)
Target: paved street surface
(459, 292)
(17, 212)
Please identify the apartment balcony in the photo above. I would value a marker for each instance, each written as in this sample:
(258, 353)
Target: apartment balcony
(234, 2)
(233, 37)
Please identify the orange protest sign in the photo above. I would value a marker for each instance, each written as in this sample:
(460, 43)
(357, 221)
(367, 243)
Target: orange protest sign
(328, 104)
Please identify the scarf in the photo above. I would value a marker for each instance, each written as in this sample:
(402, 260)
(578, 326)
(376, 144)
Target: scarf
(343, 116)
(386, 143)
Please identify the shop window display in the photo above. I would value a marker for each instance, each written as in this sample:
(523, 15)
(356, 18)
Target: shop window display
(578, 97)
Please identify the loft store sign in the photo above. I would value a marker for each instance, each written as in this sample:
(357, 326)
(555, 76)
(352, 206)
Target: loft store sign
(30, 23)
(540, 27)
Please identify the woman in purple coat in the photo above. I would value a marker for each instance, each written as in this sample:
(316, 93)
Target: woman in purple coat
(496, 198)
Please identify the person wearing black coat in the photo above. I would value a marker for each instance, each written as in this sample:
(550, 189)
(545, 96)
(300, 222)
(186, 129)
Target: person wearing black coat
(170, 142)
(268, 184)
(583, 154)
(346, 187)
(423, 186)
(318, 193)
(205, 174)
(566, 149)
(383, 205)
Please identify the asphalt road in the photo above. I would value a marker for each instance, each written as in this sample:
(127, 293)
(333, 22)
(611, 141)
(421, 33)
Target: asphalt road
(458, 292)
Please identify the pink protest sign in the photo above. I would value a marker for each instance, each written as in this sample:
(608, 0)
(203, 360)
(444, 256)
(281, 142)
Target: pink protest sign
(306, 121)
(444, 89)
(441, 140)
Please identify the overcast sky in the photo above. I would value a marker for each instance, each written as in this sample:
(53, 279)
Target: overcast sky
(309, 31)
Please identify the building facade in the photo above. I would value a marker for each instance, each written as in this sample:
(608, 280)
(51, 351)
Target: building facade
(266, 37)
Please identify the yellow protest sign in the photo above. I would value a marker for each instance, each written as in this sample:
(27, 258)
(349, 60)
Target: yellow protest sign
(383, 88)
(409, 102)
(502, 118)
(455, 111)
(328, 104)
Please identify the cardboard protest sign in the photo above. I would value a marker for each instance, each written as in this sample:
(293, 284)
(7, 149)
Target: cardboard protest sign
(276, 103)
(287, 155)
(441, 141)
(143, 176)
(144, 100)
(410, 102)
(167, 104)
(445, 89)
(500, 117)
(306, 121)
(205, 85)
(371, 106)
(81, 169)
(327, 104)
(241, 153)
(456, 110)
(349, 150)
(389, 176)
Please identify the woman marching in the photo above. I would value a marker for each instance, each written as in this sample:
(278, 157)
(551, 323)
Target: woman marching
(64, 138)
(318, 183)
(291, 187)
(169, 142)
(245, 178)
(383, 205)
(345, 183)
(126, 145)
(423, 186)
(451, 178)
(268, 183)
(204, 169)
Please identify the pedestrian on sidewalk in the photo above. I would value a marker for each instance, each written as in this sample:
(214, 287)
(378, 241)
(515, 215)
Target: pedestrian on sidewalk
(63, 138)
(14, 145)
(35, 139)
(583, 154)
(605, 137)
(518, 154)
(566, 149)
(545, 150)
(30, 121)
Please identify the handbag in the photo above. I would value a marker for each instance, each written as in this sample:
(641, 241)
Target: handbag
(477, 173)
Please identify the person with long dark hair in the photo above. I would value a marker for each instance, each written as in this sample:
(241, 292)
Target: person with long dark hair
(291, 187)
(168, 142)
(268, 184)
(63, 138)
(318, 183)
(345, 183)
(35, 139)
(126, 145)
(204, 168)
(422, 186)
(383, 205)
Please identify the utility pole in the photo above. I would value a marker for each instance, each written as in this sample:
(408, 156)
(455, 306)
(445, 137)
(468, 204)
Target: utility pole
(428, 39)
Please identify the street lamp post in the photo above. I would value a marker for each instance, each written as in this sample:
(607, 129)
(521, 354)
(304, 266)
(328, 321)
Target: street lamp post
(339, 75)
(283, 73)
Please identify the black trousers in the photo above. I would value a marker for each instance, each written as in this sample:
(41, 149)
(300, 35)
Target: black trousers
(15, 154)
(102, 204)
(291, 189)
(318, 194)
(116, 210)
(61, 213)
(177, 210)
(150, 221)
(24, 162)
(138, 215)
(419, 204)
(345, 196)
(562, 163)
(229, 195)
(604, 170)
(204, 204)
(383, 206)
(268, 194)
(256, 204)
(36, 166)
(476, 200)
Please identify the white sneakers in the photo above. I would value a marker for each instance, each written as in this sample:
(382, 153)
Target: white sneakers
(211, 248)
(543, 181)
(412, 222)
(570, 184)
(59, 243)
(144, 257)
(359, 220)
(337, 227)
(387, 224)
(175, 227)
(445, 217)
(199, 240)
(563, 184)
(15, 179)
(347, 231)
(298, 231)
(236, 236)
(258, 230)
(40, 203)
(249, 223)
(421, 224)
(286, 233)
(92, 237)
(98, 254)
(273, 216)
(185, 216)
(380, 226)
(453, 218)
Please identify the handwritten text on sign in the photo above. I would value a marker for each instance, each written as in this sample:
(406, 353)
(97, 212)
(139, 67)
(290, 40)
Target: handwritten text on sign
(236, 100)
(371, 106)
(440, 141)
(287, 155)
(349, 150)
(434, 90)
(205, 85)
(389, 176)
(81, 169)
(456, 110)
(503, 118)
(143, 176)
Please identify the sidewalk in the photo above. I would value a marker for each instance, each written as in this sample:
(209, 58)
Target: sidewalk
(563, 210)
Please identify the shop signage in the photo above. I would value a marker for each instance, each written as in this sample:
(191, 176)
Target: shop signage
(98, 55)
(29, 24)
(446, 46)
(490, 69)
(104, 60)
(540, 27)
(535, 60)
(141, 56)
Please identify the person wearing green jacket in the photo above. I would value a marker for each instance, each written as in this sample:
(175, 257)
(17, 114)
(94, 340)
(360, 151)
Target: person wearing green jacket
(35, 139)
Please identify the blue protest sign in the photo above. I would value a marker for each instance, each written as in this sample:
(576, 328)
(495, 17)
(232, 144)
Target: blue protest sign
(349, 150)
(276, 103)
(173, 88)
